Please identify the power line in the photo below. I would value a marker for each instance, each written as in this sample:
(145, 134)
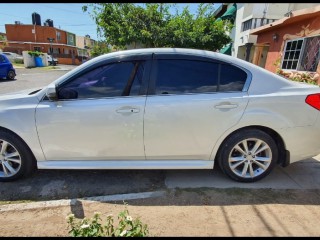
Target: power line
(63, 10)
(13, 15)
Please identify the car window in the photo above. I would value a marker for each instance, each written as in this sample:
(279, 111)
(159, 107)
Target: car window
(112, 80)
(232, 78)
(2, 59)
(178, 76)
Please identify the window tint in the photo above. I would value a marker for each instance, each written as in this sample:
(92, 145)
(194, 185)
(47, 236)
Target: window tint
(231, 78)
(185, 76)
(112, 80)
(2, 59)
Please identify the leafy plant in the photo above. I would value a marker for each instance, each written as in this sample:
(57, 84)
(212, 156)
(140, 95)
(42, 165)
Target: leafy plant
(126, 227)
(153, 25)
(19, 61)
(35, 53)
(305, 77)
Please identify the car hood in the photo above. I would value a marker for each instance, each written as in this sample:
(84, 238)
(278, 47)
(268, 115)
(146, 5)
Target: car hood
(23, 94)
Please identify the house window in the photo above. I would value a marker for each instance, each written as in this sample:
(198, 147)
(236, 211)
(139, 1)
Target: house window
(302, 54)
(58, 35)
(247, 25)
(70, 39)
(37, 49)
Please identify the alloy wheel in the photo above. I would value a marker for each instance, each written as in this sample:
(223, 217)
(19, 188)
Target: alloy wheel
(250, 158)
(10, 159)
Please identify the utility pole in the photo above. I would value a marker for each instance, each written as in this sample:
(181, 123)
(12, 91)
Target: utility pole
(51, 50)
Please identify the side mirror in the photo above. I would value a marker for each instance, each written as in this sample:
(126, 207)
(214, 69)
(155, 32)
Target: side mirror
(51, 92)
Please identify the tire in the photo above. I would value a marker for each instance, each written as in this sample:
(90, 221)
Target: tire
(252, 164)
(11, 75)
(16, 159)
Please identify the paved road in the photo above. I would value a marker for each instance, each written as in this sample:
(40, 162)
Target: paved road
(61, 184)
(32, 78)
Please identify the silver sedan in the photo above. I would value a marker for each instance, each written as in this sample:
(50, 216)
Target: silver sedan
(161, 109)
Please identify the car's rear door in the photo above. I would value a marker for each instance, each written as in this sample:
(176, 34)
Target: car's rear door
(191, 101)
(105, 121)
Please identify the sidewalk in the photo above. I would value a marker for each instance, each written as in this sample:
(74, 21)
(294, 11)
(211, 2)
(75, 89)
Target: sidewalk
(197, 212)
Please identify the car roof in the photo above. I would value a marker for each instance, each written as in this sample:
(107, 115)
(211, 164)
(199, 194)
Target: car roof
(5, 56)
(263, 80)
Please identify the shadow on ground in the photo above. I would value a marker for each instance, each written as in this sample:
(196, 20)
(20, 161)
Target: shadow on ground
(66, 184)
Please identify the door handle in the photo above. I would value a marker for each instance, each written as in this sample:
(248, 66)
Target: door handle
(226, 105)
(128, 110)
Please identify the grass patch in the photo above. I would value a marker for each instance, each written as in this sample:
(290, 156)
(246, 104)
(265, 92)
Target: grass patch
(15, 202)
(18, 64)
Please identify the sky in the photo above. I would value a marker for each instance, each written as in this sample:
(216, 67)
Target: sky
(66, 16)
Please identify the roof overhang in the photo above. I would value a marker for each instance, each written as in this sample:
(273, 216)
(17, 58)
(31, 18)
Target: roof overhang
(296, 16)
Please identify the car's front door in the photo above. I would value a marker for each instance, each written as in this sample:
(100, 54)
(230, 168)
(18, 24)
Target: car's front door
(99, 114)
(191, 102)
(4, 65)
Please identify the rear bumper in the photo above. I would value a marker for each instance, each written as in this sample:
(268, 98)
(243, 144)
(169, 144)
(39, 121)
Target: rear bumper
(302, 142)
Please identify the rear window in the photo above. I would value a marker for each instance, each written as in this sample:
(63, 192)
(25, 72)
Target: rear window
(177, 76)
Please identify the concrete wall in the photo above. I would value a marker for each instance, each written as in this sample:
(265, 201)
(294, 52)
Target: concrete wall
(29, 61)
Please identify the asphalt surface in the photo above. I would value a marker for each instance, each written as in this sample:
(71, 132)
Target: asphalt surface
(65, 184)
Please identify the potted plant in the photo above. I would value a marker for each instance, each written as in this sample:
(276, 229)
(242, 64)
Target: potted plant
(37, 58)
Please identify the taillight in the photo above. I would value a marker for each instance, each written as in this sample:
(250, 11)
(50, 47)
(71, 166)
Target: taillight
(314, 100)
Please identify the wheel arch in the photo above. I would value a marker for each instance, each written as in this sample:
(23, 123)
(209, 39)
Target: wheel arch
(284, 155)
(20, 138)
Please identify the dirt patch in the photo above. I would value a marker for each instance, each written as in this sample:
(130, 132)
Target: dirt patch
(188, 212)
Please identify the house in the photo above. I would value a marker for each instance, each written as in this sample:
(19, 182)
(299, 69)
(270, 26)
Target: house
(248, 16)
(47, 38)
(86, 43)
(291, 44)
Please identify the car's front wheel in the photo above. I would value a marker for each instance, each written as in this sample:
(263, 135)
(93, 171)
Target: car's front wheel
(248, 155)
(16, 160)
(10, 75)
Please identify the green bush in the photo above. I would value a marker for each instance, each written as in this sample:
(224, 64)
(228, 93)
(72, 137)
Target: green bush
(18, 61)
(126, 227)
(35, 53)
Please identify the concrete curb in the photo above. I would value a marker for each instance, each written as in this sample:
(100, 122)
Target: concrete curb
(70, 202)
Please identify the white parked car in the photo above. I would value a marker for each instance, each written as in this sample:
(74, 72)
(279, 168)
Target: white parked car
(52, 61)
(13, 56)
(161, 109)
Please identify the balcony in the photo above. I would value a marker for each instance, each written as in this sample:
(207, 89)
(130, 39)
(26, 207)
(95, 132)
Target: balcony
(255, 23)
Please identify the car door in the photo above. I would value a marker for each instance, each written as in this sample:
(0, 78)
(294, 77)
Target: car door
(99, 114)
(4, 65)
(191, 101)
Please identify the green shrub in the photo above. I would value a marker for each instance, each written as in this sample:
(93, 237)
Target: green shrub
(20, 61)
(35, 53)
(126, 227)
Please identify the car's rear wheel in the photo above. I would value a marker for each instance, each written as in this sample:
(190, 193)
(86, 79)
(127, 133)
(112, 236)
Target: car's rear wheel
(10, 75)
(16, 160)
(248, 155)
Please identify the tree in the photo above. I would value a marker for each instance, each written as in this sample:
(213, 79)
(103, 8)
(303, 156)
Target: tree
(99, 48)
(4, 42)
(154, 26)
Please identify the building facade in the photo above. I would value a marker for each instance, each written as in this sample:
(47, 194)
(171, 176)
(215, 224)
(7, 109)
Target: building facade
(48, 39)
(86, 43)
(251, 16)
(292, 43)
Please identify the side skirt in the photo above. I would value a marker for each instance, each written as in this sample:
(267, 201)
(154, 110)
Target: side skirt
(126, 164)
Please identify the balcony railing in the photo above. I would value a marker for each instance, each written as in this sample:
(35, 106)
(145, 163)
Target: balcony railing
(255, 23)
